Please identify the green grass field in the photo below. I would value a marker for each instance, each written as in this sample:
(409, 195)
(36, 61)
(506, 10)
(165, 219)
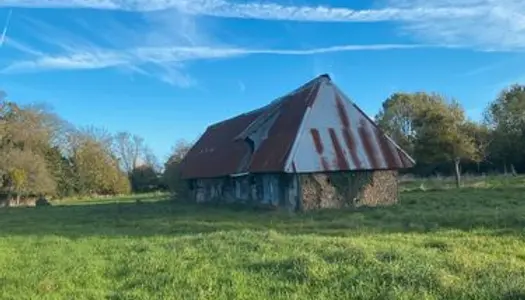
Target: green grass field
(446, 244)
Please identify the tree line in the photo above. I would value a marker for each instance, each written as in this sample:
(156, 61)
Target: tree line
(42, 154)
(437, 133)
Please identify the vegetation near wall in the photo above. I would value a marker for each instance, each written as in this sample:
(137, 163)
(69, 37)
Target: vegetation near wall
(41, 154)
(171, 177)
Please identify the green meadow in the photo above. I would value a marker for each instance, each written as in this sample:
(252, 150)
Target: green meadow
(435, 244)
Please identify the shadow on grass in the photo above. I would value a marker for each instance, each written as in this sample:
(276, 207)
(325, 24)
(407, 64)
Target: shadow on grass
(501, 211)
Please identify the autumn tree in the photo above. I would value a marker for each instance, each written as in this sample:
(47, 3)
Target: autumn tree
(26, 174)
(96, 166)
(23, 136)
(40, 153)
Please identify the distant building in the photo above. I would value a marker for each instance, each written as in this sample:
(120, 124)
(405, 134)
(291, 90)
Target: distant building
(312, 148)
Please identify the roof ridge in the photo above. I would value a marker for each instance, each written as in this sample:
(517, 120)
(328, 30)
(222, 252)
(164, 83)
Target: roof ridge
(273, 106)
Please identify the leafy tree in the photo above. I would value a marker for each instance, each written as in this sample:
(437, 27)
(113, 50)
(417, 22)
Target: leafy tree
(396, 118)
(506, 116)
(144, 178)
(97, 168)
(62, 171)
(42, 154)
(25, 174)
(442, 134)
(482, 137)
(24, 135)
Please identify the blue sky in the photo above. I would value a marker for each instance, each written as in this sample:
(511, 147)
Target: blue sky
(166, 69)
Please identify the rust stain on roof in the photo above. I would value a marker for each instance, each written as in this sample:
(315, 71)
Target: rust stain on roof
(325, 164)
(317, 140)
(368, 146)
(352, 147)
(261, 141)
(271, 156)
(340, 159)
(316, 137)
(386, 151)
(341, 111)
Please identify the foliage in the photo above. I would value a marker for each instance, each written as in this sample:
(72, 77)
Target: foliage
(432, 129)
(506, 117)
(396, 118)
(481, 136)
(62, 172)
(98, 169)
(24, 134)
(433, 245)
(171, 176)
(442, 133)
(145, 179)
(42, 154)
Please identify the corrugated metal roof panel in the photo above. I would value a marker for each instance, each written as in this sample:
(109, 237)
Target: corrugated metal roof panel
(217, 153)
(271, 155)
(338, 136)
(316, 128)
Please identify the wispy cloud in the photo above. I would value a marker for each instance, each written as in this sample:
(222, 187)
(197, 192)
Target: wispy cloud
(255, 10)
(82, 45)
(480, 70)
(22, 47)
(242, 86)
(160, 55)
(170, 36)
(6, 27)
(75, 61)
(498, 25)
(494, 66)
(483, 24)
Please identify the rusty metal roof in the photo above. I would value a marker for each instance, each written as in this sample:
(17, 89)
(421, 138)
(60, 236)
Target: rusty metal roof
(315, 128)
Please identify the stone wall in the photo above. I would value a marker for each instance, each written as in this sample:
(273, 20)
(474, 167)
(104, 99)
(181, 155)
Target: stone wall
(301, 192)
(351, 189)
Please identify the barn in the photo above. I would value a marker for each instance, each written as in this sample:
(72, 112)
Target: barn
(309, 149)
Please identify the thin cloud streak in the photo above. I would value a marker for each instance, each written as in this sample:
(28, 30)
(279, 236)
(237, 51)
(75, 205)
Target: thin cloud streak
(264, 11)
(6, 27)
(19, 46)
(157, 55)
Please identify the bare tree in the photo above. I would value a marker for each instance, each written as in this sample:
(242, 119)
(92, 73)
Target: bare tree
(179, 151)
(151, 160)
(129, 149)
